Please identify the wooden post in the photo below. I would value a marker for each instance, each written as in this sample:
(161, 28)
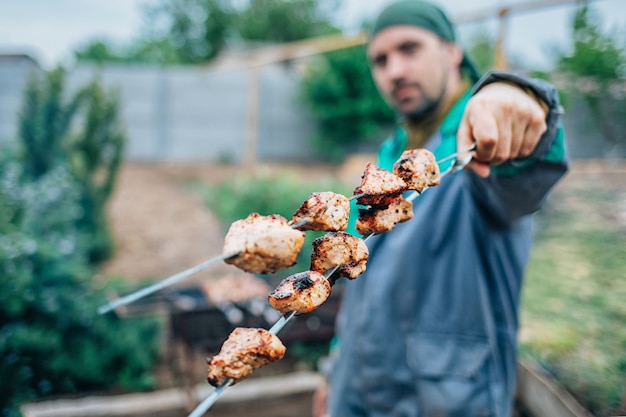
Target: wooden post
(500, 61)
(251, 141)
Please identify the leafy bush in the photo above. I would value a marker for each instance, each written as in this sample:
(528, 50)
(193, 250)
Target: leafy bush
(345, 103)
(53, 188)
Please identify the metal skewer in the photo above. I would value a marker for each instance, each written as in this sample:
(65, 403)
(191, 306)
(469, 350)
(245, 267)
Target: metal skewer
(280, 324)
(210, 400)
(456, 166)
(161, 284)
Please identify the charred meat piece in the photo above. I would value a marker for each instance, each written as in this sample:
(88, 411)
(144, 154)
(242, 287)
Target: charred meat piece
(418, 168)
(380, 187)
(302, 292)
(325, 211)
(245, 350)
(264, 244)
(338, 249)
(377, 220)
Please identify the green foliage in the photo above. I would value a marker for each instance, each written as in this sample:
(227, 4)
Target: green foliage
(196, 31)
(98, 51)
(44, 122)
(309, 353)
(345, 103)
(51, 339)
(595, 54)
(92, 149)
(482, 49)
(573, 310)
(597, 63)
(240, 196)
(95, 155)
(284, 21)
(156, 49)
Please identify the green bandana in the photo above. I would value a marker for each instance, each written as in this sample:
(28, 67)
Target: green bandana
(423, 15)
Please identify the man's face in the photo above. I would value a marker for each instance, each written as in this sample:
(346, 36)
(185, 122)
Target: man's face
(411, 67)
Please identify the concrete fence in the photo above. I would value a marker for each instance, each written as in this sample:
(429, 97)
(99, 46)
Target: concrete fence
(192, 114)
(186, 113)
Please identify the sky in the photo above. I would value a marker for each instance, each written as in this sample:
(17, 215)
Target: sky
(49, 30)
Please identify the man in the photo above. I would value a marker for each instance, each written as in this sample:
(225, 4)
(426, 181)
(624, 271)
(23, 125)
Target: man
(430, 328)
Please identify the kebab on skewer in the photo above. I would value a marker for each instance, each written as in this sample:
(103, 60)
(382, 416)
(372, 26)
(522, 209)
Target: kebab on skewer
(341, 251)
(323, 211)
(376, 219)
(378, 187)
(418, 168)
(302, 292)
(299, 293)
(245, 350)
(262, 244)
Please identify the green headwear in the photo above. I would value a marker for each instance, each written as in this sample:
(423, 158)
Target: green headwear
(423, 15)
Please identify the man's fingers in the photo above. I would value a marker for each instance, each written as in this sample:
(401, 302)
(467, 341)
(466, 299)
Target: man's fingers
(464, 137)
(484, 130)
(480, 168)
(532, 135)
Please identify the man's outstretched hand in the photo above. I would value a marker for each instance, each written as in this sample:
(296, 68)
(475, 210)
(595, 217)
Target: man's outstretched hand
(504, 121)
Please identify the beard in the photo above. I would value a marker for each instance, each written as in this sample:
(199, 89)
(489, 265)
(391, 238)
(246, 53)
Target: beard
(423, 110)
(427, 106)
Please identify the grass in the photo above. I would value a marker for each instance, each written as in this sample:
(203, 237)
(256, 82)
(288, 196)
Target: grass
(574, 299)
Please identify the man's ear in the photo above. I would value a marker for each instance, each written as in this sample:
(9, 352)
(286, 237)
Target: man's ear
(456, 54)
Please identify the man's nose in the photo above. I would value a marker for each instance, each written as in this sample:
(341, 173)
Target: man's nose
(396, 67)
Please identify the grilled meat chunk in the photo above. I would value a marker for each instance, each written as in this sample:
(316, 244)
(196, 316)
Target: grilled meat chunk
(325, 211)
(418, 168)
(264, 244)
(244, 351)
(379, 186)
(338, 249)
(302, 292)
(377, 220)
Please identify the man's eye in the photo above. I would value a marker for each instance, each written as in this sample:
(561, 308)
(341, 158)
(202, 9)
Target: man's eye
(409, 48)
(379, 61)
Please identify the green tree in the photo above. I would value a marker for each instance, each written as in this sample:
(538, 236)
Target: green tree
(98, 51)
(153, 49)
(92, 150)
(596, 67)
(284, 20)
(44, 123)
(196, 31)
(345, 103)
(94, 155)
